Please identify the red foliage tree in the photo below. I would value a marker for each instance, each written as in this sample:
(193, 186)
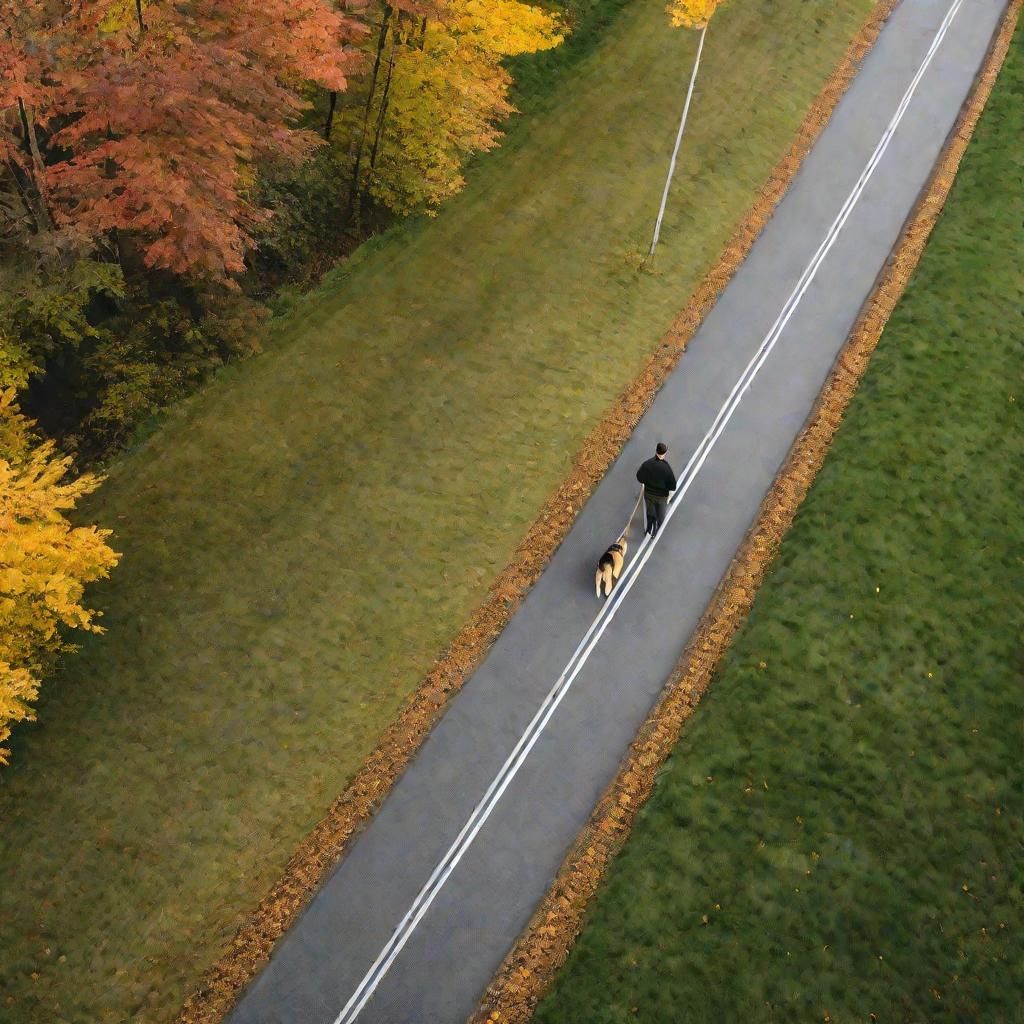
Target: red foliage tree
(148, 118)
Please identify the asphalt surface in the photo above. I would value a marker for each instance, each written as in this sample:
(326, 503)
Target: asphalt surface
(454, 938)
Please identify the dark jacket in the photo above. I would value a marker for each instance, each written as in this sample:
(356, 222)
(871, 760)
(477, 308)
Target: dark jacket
(657, 477)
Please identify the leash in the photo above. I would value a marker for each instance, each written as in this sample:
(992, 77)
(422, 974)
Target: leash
(629, 521)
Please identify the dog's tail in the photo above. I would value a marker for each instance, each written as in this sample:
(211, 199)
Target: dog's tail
(603, 575)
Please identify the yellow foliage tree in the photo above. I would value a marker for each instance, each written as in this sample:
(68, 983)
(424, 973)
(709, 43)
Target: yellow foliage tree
(691, 13)
(45, 562)
(445, 92)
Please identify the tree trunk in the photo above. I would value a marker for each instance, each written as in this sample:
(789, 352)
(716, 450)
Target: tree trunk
(353, 195)
(382, 113)
(138, 12)
(333, 102)
(23, 183)
(42, 212)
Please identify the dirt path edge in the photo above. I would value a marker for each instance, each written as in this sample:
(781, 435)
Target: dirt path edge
(531, 965)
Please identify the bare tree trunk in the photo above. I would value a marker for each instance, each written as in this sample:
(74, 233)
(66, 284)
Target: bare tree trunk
(333, 102)
(382, 113)
(31, 140)
(110, 172)
(42, 212)
(138, 12)
(353, 195)
(23, 183)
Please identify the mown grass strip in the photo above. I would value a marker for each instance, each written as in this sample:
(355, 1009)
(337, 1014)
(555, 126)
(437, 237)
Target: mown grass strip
(837, 835)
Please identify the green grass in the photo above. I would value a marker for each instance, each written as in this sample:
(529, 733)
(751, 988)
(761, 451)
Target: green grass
(303, 536)
(846, 805)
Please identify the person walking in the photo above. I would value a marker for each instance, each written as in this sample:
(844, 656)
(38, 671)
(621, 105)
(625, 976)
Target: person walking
(659, 481)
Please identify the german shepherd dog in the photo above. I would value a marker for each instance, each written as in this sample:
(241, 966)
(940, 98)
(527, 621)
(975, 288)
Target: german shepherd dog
(609, 566)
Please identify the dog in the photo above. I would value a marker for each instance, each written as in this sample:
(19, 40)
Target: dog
(609, 566)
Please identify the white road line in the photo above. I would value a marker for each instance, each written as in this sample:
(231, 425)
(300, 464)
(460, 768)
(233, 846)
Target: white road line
(515, 760)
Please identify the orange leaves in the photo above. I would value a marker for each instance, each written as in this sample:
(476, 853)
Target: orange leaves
(158, 112)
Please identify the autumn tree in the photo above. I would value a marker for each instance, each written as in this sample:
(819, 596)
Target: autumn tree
(45, 563)
(128, 120)
(440, 95)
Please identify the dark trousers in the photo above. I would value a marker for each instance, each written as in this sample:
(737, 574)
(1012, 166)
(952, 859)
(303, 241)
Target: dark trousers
(655, 509)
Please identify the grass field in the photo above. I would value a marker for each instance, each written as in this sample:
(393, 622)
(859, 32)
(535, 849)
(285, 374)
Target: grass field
(302, 537)
(838, 834)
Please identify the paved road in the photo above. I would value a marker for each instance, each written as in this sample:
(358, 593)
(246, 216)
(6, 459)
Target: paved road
(442, 956)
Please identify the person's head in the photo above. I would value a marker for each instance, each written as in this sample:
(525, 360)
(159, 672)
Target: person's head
(662, 450)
